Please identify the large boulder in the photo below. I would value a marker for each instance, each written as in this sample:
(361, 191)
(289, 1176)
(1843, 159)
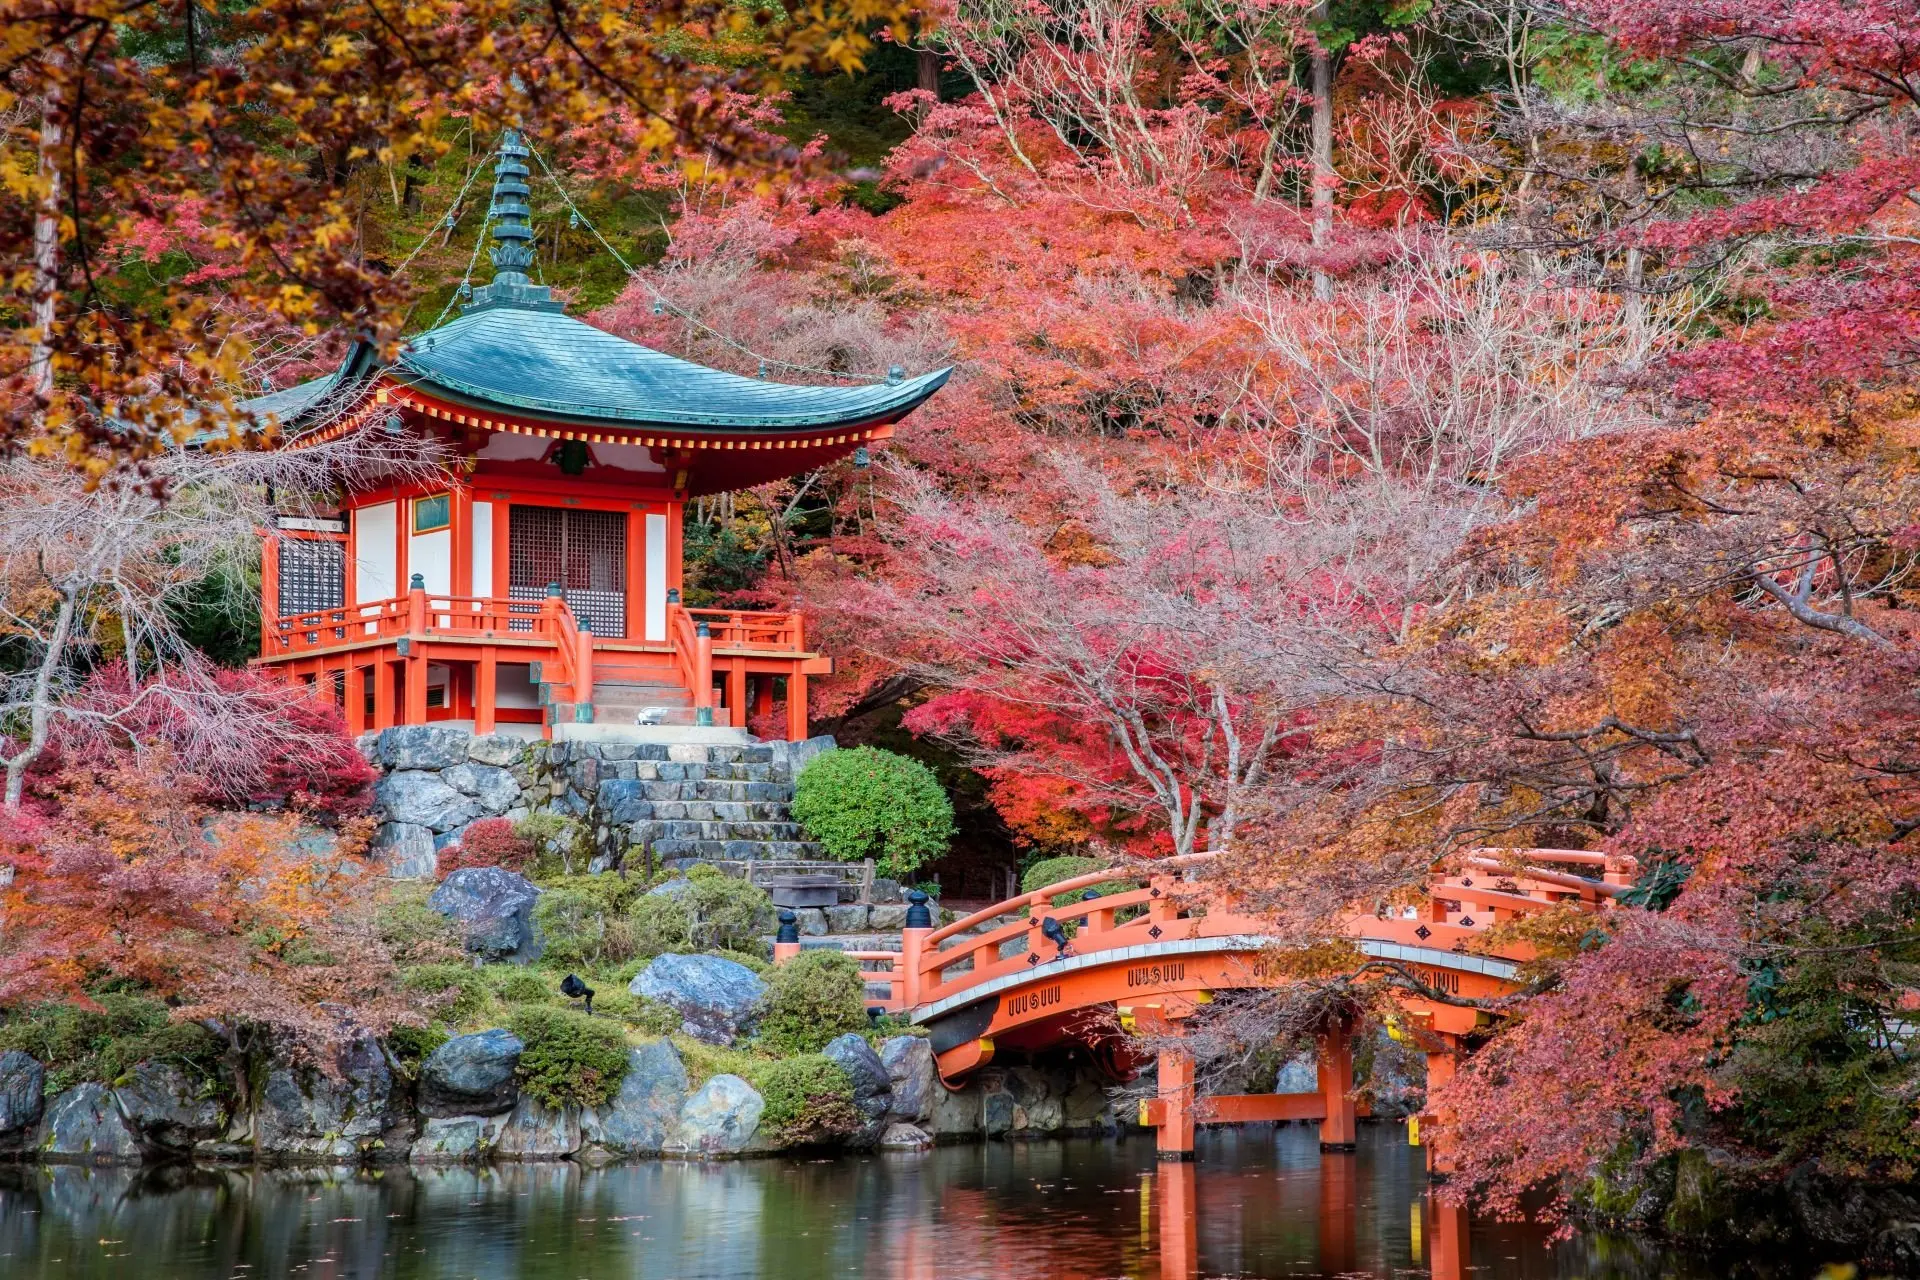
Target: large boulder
(356, 1113)
(165, 1109)
(715, 998)
(491, 785)
(23, 1085)
(85, 1124)
(422, 799)
(537, 1132)
(457, 1139)
(494, 908)
(471, 1075)
(639, 1120)
(872, 1086)
(422, 746)
(911, 1072)
(720, 1119)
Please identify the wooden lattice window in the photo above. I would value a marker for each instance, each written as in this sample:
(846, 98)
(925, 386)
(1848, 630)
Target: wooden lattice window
(584, 551)
(313, 575)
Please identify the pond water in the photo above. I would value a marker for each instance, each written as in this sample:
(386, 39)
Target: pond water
(1259, 1202)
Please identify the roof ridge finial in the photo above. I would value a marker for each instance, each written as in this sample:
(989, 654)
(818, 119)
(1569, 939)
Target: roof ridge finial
(512, 251)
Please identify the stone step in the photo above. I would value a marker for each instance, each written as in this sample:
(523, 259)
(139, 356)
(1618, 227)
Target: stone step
(712, 791)
(734, 748)
(627, 811)
(678, 855)
(715, 829)
(671, 771)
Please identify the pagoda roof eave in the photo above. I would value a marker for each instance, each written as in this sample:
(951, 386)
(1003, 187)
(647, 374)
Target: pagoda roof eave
(894, 402)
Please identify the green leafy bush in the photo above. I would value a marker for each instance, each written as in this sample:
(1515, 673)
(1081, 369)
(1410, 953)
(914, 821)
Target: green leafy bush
(569, 1058)
(459, 991)
(76, 1044)
(518, 986)
(812, 998)
(809, 1100)
(869, 803)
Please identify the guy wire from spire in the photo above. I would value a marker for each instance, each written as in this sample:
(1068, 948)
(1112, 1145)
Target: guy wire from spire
(662, 300)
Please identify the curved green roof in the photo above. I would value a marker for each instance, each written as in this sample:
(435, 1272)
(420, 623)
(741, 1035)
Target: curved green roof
(547, 362)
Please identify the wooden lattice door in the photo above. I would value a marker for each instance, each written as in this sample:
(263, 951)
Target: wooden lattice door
(584, 551)
(313, 575)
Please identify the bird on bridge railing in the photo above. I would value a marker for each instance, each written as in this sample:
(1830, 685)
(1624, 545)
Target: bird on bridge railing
(1055, 933)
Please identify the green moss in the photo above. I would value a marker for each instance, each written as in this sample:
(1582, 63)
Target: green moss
(458, 992)
(413, 931)
(519, 986)
(809, 1099)
(76, 1044)
(570, 1059)
(811, 999)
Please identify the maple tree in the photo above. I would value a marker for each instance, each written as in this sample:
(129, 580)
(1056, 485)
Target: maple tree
(235, 133)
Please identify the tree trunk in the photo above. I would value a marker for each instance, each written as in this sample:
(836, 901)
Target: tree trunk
(927, 72)
(40, 711)
(1322, 89)
(46, 247)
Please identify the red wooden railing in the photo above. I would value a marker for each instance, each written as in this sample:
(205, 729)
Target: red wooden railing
(475, 617)
(738, 629)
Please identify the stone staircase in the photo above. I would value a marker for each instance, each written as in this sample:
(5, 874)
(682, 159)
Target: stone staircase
(685, 801)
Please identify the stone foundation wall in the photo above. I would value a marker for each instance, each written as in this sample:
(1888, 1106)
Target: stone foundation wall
(681, 802)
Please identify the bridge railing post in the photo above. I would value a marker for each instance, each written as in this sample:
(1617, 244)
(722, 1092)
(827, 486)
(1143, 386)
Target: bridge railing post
(913, 942)
(1441, 1065)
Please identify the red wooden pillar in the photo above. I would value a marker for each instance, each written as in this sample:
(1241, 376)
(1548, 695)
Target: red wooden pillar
(355, 692)
(269, 588)
(382, 673)
(796, 707)
(460, 531)
(737, 692)
(1441, 1065)
(416, 704)
(486, 689)
(1174, 1138)
(763, 695)
(702, 674)
(1179, 1224)
(1336, 1090)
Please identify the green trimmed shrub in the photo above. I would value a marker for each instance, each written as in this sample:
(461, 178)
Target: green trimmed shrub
(1053, 870)
(638, 1012)
(715, 912)
(809, 1100)
(414, 1045)
(584, 922)
(77, 1045)
(570, 1059)
(870, 803)
(810, 999)
(460, 991)
(519, 986)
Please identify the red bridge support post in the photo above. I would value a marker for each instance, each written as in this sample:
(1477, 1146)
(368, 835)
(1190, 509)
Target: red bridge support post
(786, 943)
(1175, 1135)
(1336, 1090)
(1441, 1065)
(1447, 1239)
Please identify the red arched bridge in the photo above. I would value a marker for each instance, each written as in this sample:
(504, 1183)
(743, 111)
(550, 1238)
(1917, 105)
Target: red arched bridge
(1104, 957)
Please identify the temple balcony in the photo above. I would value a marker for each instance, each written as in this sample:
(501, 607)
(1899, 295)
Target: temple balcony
(494, 664)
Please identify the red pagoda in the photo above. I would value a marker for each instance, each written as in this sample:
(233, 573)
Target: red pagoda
(538, 583)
